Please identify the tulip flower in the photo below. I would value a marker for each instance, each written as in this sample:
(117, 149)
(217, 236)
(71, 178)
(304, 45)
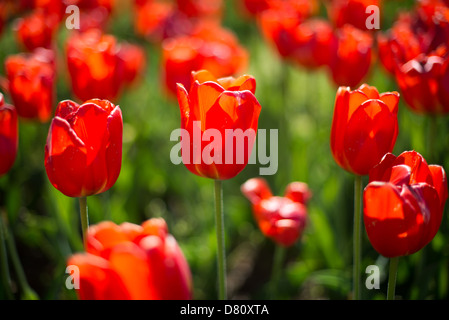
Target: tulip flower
(219, 110)
(364, 127)
(201, 8)
(8, 135)
(31, 79)
(209, 47)
(134, 61)
(132, 262)
(403, 206)
(281, 219)
(224, 105)
(37, 30)
(95, 68)
(83, 154)
(351, 56)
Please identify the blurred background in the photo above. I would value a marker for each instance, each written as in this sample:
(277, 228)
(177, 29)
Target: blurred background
(299, 102)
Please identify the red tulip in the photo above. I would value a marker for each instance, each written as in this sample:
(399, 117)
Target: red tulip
(351, 12)
(37, 29)
(132, 262)
(83, 154)
(404, 203)
(8, 136)
(209, 47)
(95, 68)
(364, 127)
(218, 107)
(31, 79)
(134, 60)
(281, 219)
(351, 56)
(201, 8)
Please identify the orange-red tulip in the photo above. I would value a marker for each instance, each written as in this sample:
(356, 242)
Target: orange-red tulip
(132, 262)
(31, 79)
(281, 219)
(8, 135)
(364, 127)
(83, 154)
(404, 203)
(218, 106)
(353, 12)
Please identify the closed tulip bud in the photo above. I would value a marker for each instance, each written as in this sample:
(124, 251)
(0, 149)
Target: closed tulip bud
(83, 154)
(364, 127)
(218, 110)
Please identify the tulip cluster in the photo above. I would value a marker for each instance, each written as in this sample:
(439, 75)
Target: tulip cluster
(414, 52)
(342, 45)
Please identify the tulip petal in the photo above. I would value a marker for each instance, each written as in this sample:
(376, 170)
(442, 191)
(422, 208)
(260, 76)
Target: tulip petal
(256, 189)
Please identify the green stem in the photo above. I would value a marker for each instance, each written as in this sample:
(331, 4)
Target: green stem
(84, 219)
(278, 259)
(4, 262)
(357, 237)
(219, 226)
(392, 277)
(27, 292)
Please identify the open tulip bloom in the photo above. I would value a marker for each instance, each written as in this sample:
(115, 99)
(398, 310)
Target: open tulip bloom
(403, 205)
(83, 154)
(211, 109)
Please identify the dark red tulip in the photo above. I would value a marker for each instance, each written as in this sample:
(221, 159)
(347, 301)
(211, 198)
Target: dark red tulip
(95, 68)
(8, 135)
(217, 106)
(31, 79)
(364, 127)
(281, 219)
(132, 262)
(404, 203)
(83, 154)
(201, 8)
(209, 47)
(351, 56)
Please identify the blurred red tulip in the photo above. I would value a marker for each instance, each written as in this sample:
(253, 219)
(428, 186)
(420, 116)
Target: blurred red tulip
(209, 47)
(31, 79)
(134, 60)
(95, 68)
(8, 136)
(404, 203)
(219, 106)
(351, 56)
(281, 26)
(281, 219)
(37, 29)
(364, 127)
(83, 154)
(353, 12)
(132, 262)
(201, 8)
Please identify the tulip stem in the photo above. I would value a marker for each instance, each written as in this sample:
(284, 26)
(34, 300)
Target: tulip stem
(357, 237)
(278, 259)
(392, 277)
(219, 226)
(84, 219)
(4, 262)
